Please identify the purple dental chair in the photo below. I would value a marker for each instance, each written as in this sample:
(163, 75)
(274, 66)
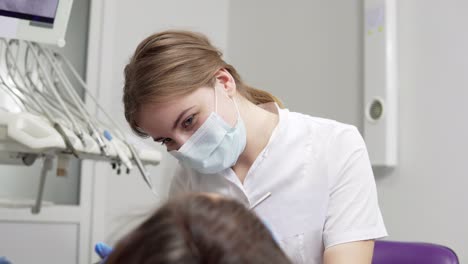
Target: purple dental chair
(390, 252)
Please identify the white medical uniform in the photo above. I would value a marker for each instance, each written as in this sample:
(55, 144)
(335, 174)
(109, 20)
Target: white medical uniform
(322, 187)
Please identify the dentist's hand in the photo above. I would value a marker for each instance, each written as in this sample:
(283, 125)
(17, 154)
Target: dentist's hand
(103, 250)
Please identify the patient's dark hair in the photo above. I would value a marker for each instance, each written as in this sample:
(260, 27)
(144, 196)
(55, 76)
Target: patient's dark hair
(195, 229)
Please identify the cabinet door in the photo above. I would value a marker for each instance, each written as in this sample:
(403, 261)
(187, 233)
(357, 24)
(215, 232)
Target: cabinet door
(24, 243)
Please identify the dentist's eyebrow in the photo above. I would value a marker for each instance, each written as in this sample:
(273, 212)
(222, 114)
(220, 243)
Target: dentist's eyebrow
(180, 117)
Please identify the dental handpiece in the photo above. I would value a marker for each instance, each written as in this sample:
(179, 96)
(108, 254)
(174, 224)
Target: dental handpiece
(142, 169)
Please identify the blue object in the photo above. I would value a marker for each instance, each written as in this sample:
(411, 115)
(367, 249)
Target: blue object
(103, 251)
(107, 135)
(3, 260)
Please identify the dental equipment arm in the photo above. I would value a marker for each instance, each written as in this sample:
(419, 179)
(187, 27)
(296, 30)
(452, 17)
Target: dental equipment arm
(144, 173)
(51, 118)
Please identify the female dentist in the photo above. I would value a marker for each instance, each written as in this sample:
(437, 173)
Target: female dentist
(240, 142)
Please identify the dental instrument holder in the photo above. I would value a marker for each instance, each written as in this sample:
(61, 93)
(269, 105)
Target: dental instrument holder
(50, 118)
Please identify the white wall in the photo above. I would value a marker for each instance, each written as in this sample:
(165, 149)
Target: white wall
(126, 24)
(309, 53)
(305, 52)
(425, 198)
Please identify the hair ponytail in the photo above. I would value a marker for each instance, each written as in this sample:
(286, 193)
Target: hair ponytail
(252, 94)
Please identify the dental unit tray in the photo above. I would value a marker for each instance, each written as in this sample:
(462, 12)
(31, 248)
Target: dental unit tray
(24, 135)
(43, 116)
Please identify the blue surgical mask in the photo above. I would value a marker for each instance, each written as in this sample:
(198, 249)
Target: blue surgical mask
(215, 146)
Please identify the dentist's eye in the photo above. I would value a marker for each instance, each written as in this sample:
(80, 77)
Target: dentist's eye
(189, 122)
(163, 141)
(166, 141)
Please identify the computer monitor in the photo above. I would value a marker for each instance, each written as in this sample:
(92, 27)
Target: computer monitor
(35, 20)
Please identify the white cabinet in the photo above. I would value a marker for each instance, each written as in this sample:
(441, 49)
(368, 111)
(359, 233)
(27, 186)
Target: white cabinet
(34, 242)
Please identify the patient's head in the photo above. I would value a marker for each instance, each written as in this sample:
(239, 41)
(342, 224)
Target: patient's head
(199, 228)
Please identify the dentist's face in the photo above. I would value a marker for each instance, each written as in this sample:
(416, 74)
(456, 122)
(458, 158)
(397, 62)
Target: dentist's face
(172, 123)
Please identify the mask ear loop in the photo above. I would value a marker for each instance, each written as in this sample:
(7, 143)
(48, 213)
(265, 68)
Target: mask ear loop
(237, 108)
(233, 100)
(216, 100)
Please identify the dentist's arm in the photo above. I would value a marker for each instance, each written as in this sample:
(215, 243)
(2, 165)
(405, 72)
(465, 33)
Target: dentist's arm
(353, 220)
(359, 252)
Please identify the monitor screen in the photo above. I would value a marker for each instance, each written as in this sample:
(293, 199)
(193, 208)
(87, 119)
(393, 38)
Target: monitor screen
(35, 10)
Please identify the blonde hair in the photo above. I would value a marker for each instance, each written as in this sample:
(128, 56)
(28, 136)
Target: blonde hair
(176, 63)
